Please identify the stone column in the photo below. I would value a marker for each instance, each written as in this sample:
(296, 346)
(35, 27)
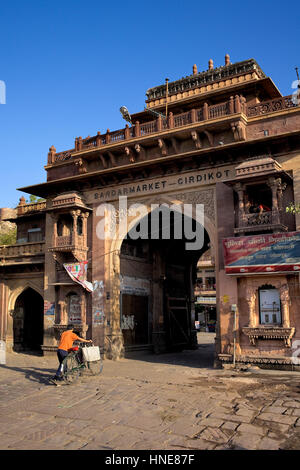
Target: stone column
(75, 215)
(240, 189)
(159, 335)
(61, 313)
(85, 216)
(83, 309)
(273, 184)
(54, 231)
(285, 300)
(193, 336)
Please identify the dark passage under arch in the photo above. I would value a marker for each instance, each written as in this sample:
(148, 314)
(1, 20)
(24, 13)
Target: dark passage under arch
(28, 321)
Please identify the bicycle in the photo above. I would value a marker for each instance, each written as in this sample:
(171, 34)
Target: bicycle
(74, 364)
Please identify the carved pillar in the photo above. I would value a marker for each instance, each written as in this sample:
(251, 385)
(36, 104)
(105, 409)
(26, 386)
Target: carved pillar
(285, 301)
(51, 155)
(231, 105)
(98, 139)
(237, 104)
(127, 132)
(83, 308)
(85, 216)
(280, 188)
(159, 123)
(75, 215)
(137, 130)
(205, 112)
(250, 299)
(171, 120)
(62, 317)
(240, 189)
(273, 184)
(54, 233)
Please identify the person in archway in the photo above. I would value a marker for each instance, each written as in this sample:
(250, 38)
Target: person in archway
(65, 344)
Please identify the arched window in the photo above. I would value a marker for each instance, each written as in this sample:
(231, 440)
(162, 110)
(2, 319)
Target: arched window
(269, 305)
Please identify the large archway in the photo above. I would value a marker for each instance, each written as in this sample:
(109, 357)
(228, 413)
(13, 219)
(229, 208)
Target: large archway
(28, 321)
(158, 275)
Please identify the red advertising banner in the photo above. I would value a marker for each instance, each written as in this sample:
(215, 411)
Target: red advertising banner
(279, 252)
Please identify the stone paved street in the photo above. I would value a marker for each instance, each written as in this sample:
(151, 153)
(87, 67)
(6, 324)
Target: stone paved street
(166, 402)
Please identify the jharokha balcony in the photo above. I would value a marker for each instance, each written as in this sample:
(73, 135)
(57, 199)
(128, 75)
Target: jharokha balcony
(70, 233)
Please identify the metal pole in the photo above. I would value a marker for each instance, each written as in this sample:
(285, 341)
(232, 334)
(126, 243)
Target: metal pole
(234, 338)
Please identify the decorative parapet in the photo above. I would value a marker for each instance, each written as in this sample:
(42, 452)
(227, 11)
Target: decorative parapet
(266, 107)
(269, 332)
(206, 77)
(24, 209)
(7, 252)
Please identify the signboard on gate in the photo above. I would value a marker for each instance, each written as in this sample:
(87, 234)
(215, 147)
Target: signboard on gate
(279, 252)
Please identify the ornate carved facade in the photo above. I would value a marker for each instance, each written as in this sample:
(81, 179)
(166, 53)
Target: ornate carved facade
(230, 142)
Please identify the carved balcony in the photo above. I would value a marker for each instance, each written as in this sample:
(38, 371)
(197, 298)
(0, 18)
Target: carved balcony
(266, 221)
(75, 244)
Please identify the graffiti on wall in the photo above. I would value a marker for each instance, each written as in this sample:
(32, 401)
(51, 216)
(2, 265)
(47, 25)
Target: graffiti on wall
(127, 322)
(98, 303)
(49, 308)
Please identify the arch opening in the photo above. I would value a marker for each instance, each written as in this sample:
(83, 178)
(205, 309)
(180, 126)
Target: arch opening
(28, 321)
(158, 275)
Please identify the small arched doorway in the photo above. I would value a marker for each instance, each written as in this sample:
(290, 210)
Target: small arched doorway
(28, 321)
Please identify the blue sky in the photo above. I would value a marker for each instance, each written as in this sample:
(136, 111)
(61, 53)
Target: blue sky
(68, 65)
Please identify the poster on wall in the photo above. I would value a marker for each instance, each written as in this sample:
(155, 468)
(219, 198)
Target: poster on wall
(74, 315)
(78, 273)
(98, 303)
(49, 308)
(134, 286)
(279, 252)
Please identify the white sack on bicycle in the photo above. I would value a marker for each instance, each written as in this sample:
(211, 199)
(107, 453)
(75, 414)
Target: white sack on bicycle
(91, 353)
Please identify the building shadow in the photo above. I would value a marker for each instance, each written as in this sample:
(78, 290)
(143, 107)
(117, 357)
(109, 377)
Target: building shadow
(34, 374)
(202, 357)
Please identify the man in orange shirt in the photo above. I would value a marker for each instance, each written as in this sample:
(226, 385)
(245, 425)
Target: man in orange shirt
(65, 344)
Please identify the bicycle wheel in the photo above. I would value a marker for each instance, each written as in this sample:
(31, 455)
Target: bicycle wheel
(95, 367)
(70, 369)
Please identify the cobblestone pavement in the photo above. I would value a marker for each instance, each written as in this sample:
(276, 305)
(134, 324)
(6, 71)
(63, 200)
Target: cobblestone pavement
(166, 402)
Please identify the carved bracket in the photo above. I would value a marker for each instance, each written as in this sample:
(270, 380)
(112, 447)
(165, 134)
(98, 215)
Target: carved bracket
(81, 166)
(196, 138)
(130, 154)
(162, 146)
(140, 151)
(239, 131)
(269, 332)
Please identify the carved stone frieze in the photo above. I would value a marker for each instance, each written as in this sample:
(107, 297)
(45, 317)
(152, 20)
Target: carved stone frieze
(205, 197)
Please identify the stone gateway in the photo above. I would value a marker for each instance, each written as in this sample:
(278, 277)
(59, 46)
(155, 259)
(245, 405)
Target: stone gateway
(230, 143)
